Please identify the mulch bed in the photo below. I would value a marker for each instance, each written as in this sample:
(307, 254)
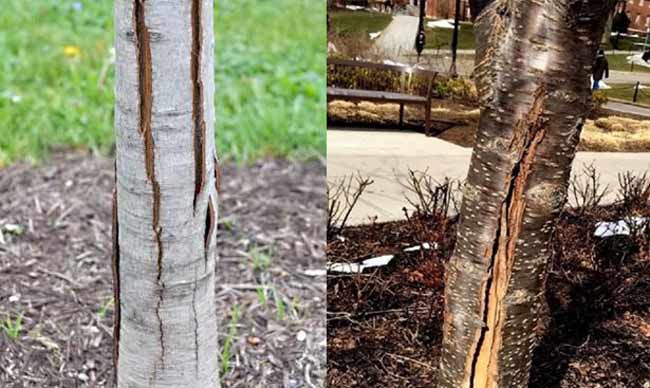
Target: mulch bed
(55, 273)
(384, 325)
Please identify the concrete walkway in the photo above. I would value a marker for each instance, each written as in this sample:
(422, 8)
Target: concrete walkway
(628, 108)
(399, 36)
(386, 158)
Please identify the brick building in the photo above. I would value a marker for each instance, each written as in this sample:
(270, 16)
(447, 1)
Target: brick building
(442, 9)
(639, 13)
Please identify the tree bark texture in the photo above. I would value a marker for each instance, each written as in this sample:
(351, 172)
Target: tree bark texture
(533, 64)
(166, 195)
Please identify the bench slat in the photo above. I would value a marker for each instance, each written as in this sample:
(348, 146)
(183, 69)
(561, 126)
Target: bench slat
(373, 95)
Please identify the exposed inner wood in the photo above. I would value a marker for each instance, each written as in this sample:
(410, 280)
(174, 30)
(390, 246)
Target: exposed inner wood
(143, 52)
(197, 114)
(528, 134)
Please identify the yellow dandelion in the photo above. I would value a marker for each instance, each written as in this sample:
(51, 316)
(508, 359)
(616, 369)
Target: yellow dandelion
(71, 51)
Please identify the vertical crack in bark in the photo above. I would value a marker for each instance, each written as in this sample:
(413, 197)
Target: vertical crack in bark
(197, 114)
(116, 284)
(210, 223)
(196, 327)
(217, 174)
(161, 290)
(527, 136)
(145, 86)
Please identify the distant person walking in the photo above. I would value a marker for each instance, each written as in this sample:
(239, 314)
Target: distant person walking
(601, 67)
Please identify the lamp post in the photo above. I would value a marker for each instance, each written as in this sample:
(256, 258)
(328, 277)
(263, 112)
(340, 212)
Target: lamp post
(420, 39)
(454, 41)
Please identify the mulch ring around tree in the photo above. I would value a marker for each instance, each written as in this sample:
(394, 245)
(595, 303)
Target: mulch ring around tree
(55, 274)
(384, 324)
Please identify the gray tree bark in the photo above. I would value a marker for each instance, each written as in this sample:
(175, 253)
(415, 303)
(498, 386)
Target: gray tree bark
(165, 209)
(533, 64)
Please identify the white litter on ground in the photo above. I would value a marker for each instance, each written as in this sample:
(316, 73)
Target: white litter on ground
(374, 262)
(355, 7)
(374, 35)
(344, 267)
(315, 272)
(443, 23)
(619, 228)
(418, 247)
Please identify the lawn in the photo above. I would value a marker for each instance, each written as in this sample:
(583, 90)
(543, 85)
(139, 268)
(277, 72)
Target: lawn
(619, 62)
(346, 22)
(56, 78)
(440, 38)
(626, 92)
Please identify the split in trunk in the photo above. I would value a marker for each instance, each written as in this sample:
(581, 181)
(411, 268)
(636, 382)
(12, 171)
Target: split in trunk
(533, 66)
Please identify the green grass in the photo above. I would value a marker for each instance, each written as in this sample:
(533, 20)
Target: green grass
(230, 337)
(346, 22)
(626, 43)
(619, 62)
(12, 327)
(626, 92)
(270, 78)
(440, 38)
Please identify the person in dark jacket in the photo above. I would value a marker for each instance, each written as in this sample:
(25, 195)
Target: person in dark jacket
(601, 67)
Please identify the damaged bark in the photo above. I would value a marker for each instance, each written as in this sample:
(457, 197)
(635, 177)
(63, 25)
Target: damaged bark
(165, 305)
(533, 65)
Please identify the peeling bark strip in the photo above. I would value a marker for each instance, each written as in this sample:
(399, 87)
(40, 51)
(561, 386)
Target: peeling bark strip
(197, 114)
(116, 284)
(527, 136)
(533, 64)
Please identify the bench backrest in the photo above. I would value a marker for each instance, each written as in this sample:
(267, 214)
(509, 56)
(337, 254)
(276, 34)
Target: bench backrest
(353, 74)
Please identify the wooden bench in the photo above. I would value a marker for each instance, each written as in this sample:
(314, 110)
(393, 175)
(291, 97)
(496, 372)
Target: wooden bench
(404, 95)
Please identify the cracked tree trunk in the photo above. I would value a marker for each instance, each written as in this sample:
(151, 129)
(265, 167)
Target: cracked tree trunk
(533, 65)
(166, 195)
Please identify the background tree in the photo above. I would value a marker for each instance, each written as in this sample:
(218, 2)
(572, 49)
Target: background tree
(533, 65)
(165, 200)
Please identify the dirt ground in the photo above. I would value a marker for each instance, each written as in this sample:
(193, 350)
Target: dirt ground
(456, 122)
(384, 325)
(55, 273)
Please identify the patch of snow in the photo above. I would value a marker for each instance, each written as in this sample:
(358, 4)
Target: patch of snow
(637, 60)
(443, 23)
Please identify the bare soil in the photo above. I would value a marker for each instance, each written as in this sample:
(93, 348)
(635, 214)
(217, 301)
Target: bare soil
(55, 273)
(384, 325)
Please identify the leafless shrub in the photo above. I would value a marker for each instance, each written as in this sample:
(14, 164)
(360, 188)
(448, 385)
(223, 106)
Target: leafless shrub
(634, 190)
(634, 198)
(429, 197)
(342, 197)
(587, 190)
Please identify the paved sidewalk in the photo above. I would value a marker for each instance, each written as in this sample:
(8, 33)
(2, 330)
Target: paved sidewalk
(387, 156)
(627, 108)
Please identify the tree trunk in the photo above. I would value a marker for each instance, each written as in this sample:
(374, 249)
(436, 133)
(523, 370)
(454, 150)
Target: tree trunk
(166, 195)
(533, 65)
